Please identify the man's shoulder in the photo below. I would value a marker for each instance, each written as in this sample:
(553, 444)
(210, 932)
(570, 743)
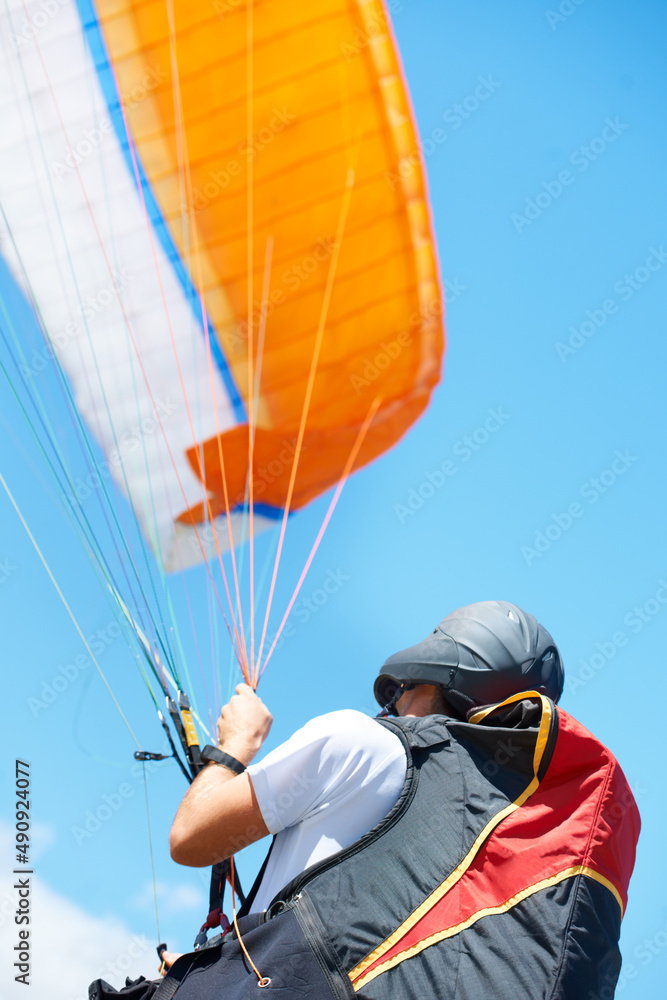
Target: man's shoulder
(343, 718)
(348, 728)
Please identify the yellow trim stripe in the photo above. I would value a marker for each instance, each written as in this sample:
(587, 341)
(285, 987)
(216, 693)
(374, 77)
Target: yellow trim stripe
(520, 696)
(607, 884)
(487, 911)
(459, 872)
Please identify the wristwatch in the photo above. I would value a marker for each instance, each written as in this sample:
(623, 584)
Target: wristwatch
(220, 757)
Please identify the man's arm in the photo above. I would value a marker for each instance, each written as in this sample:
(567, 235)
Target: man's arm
(219, 814)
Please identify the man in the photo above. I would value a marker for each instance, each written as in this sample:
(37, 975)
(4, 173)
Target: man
(489, 848)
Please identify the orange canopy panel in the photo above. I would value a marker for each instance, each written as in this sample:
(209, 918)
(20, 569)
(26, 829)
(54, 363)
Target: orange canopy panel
(280, 145)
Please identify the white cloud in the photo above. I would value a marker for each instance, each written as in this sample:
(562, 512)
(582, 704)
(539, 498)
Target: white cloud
(69, 946)
(184, 897)
(42, 836)
(172, 898)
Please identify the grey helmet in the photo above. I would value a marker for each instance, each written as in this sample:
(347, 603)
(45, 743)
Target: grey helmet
(479, 655)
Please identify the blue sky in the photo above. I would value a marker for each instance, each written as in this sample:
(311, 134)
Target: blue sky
(548, 201)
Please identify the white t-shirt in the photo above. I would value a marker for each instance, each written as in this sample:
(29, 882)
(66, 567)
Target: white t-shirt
(324, 788)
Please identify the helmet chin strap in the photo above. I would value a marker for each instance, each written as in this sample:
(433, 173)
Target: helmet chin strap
(390, 707)
(460, 703)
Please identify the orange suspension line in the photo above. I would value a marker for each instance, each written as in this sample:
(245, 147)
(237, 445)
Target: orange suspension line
(340, 229)
(370, 416)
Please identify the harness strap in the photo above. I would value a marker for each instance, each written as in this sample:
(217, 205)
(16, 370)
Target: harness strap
(220, 875)
(250, 898)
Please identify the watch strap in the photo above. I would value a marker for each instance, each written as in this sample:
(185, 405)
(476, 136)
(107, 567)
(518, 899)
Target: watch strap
(210, 753)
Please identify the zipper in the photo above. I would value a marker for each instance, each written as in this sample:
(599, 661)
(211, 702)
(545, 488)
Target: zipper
(316, 936)
(287, 893)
